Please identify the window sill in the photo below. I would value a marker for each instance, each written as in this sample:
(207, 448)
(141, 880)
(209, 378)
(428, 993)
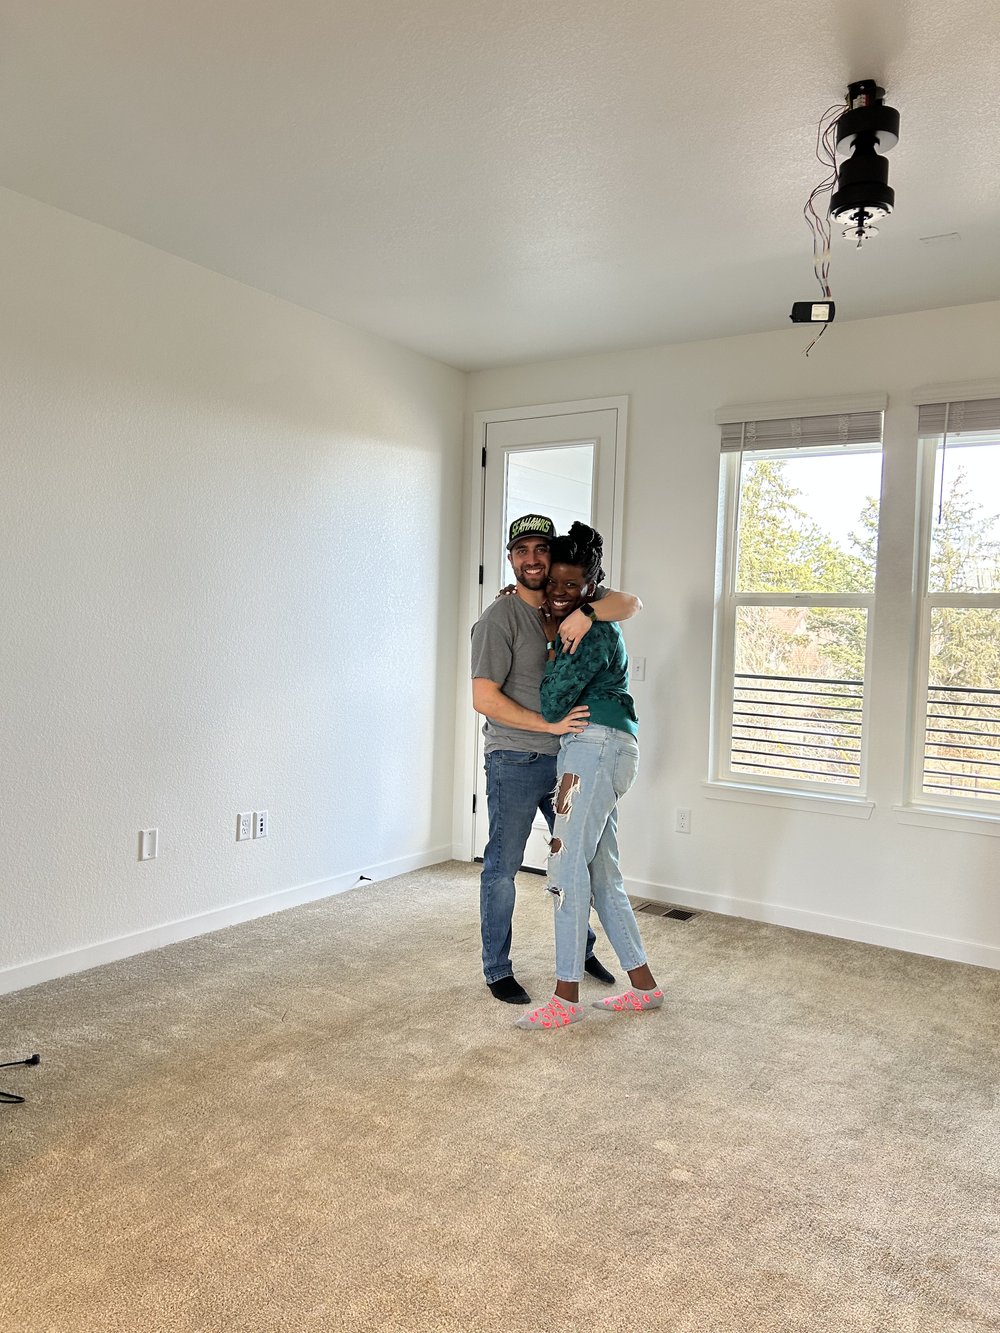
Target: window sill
(850, 807)
(958, 821)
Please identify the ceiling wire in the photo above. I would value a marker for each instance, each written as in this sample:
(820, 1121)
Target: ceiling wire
(815, 212)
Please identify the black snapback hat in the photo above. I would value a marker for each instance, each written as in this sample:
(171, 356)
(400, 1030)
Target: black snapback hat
(530, 525)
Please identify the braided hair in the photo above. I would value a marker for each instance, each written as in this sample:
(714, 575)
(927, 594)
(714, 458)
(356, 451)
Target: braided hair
(581, 546)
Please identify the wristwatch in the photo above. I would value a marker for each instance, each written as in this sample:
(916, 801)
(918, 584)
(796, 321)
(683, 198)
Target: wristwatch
(588, 611)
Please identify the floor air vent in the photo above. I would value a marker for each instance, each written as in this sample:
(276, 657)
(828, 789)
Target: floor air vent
(661, 909)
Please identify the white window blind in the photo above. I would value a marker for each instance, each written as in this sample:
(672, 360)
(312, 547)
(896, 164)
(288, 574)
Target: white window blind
(806, 432)
(956, 418)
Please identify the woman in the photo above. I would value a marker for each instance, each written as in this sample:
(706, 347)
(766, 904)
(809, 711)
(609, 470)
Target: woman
(595, 769)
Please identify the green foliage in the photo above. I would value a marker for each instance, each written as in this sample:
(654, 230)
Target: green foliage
(781, 549)
(965, 643)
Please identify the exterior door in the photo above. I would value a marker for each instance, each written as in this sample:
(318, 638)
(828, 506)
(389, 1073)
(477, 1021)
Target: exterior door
(564, 465)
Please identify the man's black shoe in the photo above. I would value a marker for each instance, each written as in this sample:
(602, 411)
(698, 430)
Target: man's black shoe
(598, 970)
(510, 990)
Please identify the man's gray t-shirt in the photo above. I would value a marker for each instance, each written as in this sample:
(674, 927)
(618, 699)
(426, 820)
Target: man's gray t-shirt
(508, 647)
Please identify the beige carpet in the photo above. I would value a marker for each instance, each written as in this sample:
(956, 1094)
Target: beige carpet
(322, 1121)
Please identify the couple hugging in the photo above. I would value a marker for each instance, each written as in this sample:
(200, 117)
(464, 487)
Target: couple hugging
(550, 675)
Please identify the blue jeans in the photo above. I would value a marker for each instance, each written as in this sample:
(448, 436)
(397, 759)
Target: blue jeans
(518, 784)
(603, 762)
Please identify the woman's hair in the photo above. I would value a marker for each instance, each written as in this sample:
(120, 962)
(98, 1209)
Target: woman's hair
(581, 546)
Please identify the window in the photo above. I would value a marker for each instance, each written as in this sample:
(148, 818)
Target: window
(798, 536)
(956, 724)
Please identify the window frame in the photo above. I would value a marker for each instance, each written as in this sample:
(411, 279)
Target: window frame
(925, 602)
(727, 602)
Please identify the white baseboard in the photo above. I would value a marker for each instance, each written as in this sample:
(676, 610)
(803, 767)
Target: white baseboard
(155, 937)
(819, 923)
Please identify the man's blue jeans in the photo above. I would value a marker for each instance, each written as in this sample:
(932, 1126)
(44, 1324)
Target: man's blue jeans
(518, 784)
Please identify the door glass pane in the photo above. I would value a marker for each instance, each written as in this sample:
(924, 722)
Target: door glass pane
(557, 482)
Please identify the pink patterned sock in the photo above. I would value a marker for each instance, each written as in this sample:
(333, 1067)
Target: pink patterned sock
(631, 1001)
(556, 1014)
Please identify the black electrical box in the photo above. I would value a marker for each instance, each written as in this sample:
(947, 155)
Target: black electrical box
(813, 312)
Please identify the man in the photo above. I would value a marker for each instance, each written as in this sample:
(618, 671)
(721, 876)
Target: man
(508, 661)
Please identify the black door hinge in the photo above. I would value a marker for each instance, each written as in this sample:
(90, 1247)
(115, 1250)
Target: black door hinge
(473, 802)
(480, 576)
(484, 455)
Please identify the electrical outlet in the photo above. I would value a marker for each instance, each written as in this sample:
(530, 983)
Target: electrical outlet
(260, 824)
(637, 668)
(682, 821)
(149, 843)
(244, 826)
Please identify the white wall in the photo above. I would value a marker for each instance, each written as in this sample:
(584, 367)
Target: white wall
(229, 554)
(929, 889)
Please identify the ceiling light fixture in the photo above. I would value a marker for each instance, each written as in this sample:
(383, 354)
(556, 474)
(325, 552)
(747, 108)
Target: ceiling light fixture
(866, 131)
(858, 188)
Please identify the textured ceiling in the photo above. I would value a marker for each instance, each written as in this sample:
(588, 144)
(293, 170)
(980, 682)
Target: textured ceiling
(500, 182)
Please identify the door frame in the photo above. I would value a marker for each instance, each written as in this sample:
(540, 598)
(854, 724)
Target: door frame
(467, 722)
